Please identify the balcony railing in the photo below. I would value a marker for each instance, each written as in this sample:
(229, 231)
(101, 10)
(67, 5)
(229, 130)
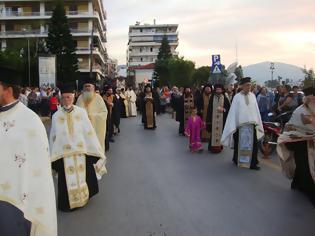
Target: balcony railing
(80, 30)
(19, 32)
(86, 66)
(17, 13)
(69, 13)
(95, 50)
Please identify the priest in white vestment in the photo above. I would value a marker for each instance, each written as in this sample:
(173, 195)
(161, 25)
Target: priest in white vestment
(96, 109)
(243, 127)
(27, 196)
(76, 154)
(132, 102)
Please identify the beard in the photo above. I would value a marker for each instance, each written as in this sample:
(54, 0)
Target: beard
(88, 96)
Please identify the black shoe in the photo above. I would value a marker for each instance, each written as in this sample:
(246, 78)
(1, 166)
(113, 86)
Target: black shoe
(112, 140)
(255, 168)
(294, 185)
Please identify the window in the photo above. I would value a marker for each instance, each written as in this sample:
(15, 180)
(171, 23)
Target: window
(73, 8)
(141, 59)
(73, 25)
(151, 49)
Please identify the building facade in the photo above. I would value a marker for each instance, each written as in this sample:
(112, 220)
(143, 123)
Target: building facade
(143, 48)
(29, 19)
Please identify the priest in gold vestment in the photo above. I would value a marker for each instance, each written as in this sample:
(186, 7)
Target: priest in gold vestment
(76, 154)
(202, 105)
(218, 110)
(96, 109)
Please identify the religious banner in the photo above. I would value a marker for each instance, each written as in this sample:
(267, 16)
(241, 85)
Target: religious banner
(47, 71)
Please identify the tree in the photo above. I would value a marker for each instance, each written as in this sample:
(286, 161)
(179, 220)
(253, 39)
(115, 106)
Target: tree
(15, 56)
(181, 72)
(218, 78)
(309, 80)
(239, 72)
(272, 83)
(61, 43)
(161, 72)
(165, 50)
(201, 76)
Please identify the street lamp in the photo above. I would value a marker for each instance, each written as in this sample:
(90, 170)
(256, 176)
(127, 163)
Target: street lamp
(272, 68)
(29, 57)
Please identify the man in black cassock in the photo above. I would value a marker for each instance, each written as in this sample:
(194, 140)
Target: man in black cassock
(296, 147)
(184, 106)
(116, 113)
(148, 108)
(111, 102)
(202, 106)
(217, 112)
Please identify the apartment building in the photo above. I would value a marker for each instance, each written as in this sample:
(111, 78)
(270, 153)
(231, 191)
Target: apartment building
(29, 19)
(143, 47)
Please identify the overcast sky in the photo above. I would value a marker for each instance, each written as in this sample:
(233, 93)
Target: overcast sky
(265, 30)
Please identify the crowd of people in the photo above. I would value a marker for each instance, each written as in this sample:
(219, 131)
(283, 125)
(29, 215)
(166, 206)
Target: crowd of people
(84, 123)
(233, 116)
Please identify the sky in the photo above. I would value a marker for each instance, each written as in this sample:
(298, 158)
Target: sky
(263, 30)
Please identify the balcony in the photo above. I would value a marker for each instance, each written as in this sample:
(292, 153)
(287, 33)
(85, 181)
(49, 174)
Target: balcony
(96, 51)
(79, 30)
(143, 53)
(157, 44)
(85, 67)
(22, 34)
(134, 34)
(17, 14)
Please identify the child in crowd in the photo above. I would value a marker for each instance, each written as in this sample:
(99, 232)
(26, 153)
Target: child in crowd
(193, 130)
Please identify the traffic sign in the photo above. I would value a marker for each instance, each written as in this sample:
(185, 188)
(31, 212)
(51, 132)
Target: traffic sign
(216, 67)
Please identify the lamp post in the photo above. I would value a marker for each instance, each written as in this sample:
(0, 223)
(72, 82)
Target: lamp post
(272, 68)
(91, 51)
(29, 57)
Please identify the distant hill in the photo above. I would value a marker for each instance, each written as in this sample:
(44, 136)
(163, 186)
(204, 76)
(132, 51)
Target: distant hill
(260, 72)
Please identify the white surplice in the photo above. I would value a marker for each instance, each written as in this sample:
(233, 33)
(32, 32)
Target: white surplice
(244, 110)
(132, 103)
(25, 170)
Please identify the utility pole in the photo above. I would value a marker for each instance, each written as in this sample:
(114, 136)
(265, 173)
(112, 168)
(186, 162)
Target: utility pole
(29, 62)
(28, 57)
(91, 51)
(272, 68)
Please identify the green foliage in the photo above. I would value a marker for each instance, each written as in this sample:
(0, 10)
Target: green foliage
(201, 76)
(272, 83)
(239, 72)
(218, 78)
(16, 57)
(309, 80)
(161, 72)
(181, 72)
(12, 58)
(165, 50)
(61, 43)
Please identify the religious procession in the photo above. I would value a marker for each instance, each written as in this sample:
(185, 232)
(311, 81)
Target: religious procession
(84, 124)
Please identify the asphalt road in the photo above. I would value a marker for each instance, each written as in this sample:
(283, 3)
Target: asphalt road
(156, 187)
